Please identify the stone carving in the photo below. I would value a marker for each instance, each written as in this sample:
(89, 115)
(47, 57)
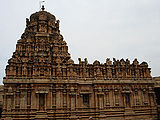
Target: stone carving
(27, 22)
(108, 61)
(43, 82)
(135, 62)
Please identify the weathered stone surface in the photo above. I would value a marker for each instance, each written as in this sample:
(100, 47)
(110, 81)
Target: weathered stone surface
(43, 82)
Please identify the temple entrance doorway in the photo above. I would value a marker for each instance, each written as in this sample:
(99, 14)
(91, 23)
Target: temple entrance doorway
(41, 102)
(127, 100)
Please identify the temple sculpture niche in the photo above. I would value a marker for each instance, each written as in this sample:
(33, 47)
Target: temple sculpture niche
(43, 83)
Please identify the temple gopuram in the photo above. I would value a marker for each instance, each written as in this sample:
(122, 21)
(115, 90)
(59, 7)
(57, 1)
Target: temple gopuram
(43, 83)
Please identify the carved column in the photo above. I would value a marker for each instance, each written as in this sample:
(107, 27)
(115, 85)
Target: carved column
(9, 102)
(54, 99)
(151, 97)
(58, 99)
(111, 97)
(145, 97)
(4, 102)
(116, 92)
(9, 99)
(73, 103)
(29, 99)
(64, 98)
(136, 97)
(34, 98)
(107, 97)
(101, 100)
(17, 100)
(95, 96)
(23, 100)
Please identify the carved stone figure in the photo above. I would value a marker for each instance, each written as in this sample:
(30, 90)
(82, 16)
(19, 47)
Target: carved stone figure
(108, 61)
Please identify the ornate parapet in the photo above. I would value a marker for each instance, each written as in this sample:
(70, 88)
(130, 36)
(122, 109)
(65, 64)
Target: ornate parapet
(62, 69)
(157, 82)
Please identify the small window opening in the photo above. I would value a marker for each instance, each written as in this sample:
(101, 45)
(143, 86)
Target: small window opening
(41, 74)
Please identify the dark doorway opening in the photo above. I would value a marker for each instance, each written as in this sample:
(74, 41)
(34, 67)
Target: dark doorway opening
(86, 99)
(127, 100)
(0, 112)
(157, 92)
(41, 101)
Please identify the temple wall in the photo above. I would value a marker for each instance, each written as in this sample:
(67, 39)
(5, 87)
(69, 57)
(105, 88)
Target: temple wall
(72, 100)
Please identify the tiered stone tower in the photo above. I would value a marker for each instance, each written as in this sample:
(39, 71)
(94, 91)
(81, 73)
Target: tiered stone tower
(42, 81)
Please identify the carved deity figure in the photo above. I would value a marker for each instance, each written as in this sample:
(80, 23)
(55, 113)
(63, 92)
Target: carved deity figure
(59, 72)
(137, 72)
(57, 24)
(148, 73)
(85, 72)
(99, 72)
(127, 62)
(58, 60)
(86, 61)
(27, 22)
(114, 61)
(109, 72)
(79, 59)
(42, 28)
(108, 61)
(135, 62)
(122, 62)
(24, 70)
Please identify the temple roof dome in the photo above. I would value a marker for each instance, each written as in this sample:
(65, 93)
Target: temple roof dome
(42, 16)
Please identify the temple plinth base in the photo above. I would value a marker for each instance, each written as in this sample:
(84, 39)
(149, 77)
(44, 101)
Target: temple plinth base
(41, 115)
(129, 111)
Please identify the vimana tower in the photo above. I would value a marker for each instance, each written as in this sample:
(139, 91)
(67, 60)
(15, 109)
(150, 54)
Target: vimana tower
(43, 83)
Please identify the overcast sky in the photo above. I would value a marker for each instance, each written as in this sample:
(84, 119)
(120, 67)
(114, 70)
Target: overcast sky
(93, 29)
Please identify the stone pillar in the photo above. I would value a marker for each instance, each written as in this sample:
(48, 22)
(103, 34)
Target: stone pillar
(145, 97)
(64, 99)
(73, 103)
(23, 100)
(4, 102)
(101, 100)
(50, 98)
(28, 99)
(96, 99)
(136, 97)
(17, 100)
(58, 99)
(37, 102)
(54, 99)
(116, 95)
(14, 100)
(111, 98)
(34, 100)
(151, 96)
(107, 103)
(9, 102)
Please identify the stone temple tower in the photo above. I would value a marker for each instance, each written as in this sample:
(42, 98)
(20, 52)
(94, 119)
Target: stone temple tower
(43, 83)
